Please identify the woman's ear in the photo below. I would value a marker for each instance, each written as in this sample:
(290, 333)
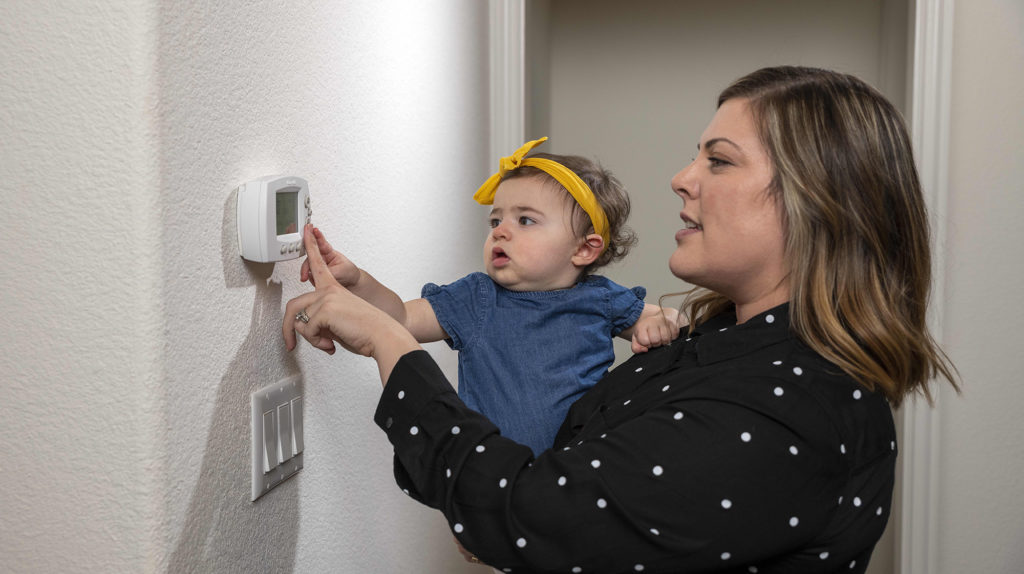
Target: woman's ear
(588, 251)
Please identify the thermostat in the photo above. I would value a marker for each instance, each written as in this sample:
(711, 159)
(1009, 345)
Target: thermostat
(272, 212)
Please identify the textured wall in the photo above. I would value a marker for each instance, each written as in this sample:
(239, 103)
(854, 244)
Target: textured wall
(79, 312)
(134, 334)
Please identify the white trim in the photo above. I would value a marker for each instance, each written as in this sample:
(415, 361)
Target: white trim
(930, 116)
(507, 77)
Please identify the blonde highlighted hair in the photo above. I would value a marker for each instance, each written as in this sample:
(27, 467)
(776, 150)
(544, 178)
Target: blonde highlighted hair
(856, 228)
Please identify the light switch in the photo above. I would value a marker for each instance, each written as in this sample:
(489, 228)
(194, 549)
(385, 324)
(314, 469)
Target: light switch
(270, 460)
(297, 425)
(277, 443)
(284, 432)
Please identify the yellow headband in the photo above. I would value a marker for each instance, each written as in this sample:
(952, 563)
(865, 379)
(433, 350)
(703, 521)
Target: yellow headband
(572, 183)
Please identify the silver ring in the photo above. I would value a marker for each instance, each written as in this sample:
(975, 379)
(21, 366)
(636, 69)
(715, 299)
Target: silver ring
(302, 316)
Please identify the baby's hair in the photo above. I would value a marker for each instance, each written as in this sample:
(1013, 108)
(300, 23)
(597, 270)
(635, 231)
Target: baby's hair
(610, 194)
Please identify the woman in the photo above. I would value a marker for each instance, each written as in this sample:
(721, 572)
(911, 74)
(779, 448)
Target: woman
(763, 440)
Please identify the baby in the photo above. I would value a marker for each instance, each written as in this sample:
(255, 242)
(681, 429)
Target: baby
(534, 332)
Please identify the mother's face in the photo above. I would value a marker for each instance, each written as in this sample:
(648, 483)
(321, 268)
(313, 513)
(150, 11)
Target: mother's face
(733, 242)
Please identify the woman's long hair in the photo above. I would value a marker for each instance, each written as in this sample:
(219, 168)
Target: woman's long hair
(856, 228)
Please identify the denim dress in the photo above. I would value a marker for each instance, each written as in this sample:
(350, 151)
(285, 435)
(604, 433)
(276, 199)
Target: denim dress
(525, 357)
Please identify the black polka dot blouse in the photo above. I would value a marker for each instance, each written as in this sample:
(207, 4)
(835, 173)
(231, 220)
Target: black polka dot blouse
(734, 449)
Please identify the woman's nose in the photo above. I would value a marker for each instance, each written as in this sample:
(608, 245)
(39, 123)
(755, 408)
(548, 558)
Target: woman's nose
(683, 183)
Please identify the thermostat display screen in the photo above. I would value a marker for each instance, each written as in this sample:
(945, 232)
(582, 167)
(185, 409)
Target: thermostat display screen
(287, 212)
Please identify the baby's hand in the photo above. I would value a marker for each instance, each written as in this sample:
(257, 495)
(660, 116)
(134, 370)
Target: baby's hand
(343, 270)
(655, 329)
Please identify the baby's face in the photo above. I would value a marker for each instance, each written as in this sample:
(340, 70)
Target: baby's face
(531, 243)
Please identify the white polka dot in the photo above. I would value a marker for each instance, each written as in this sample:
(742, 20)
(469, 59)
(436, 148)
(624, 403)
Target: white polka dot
(892, 445)
(595, 463)
(879, 511)
(856, 395)
(655, 532)
(726, 503)
(752, 570)
(793, 451)
(777, 363)
(853, 564)
(414, 430)
(689, 339)
(506, 569)
(627, 402)
(779, 391)
(457, 528)
(401, 395)
(456, 430)
(726, 556)
(406, 490)
(722, 329)
(561, 481)
(602, 503)
(566, 448)
(521, 543)
(823, 555)
(665, 388)
(502, 483)
(657, 470)
(745, 437)
(840, 500)
(448, 472)
(770, 319)
(842, 448)
(678, 416)
(604, 435)
(577, 570)
(798, 371)
(480, 448)
(856, 501)
(579, 443)
(794, 521)
(638, 369)
(639, 568)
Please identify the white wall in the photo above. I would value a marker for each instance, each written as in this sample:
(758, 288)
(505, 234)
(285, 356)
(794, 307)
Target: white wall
(980, 502)
(133, 333)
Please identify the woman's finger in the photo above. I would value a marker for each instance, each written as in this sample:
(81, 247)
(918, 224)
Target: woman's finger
(291, 312)
(321, 275)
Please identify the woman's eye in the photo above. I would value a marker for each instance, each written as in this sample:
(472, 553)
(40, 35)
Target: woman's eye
(716, 162)
(523, 220)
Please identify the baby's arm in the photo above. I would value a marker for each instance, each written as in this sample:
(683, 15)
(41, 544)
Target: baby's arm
(416, 315)
(656, 326)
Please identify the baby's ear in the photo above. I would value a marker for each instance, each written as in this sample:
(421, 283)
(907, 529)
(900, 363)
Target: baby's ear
(589, 250)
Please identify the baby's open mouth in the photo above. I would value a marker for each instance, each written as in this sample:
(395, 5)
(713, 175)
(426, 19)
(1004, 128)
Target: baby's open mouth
(499, 257)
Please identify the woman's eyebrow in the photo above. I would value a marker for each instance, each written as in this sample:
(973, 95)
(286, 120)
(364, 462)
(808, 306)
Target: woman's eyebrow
(715, 141)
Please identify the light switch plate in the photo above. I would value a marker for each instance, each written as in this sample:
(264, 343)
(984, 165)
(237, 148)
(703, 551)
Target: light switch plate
(277, 434)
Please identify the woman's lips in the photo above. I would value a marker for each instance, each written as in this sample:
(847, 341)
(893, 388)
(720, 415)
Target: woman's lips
(686, 231)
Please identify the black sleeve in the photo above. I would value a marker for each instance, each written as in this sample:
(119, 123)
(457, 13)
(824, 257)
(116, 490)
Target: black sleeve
(699, 483)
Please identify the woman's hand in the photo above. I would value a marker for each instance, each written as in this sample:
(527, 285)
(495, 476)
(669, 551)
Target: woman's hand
(332, 313)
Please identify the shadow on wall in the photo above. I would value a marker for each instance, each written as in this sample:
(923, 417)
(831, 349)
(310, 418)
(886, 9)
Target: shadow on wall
(223, 531)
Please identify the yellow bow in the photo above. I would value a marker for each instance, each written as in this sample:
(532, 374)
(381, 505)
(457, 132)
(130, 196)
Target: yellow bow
(572, 183)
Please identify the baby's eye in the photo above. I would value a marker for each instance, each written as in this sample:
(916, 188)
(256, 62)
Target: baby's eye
(493, 222)
(523, 220)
